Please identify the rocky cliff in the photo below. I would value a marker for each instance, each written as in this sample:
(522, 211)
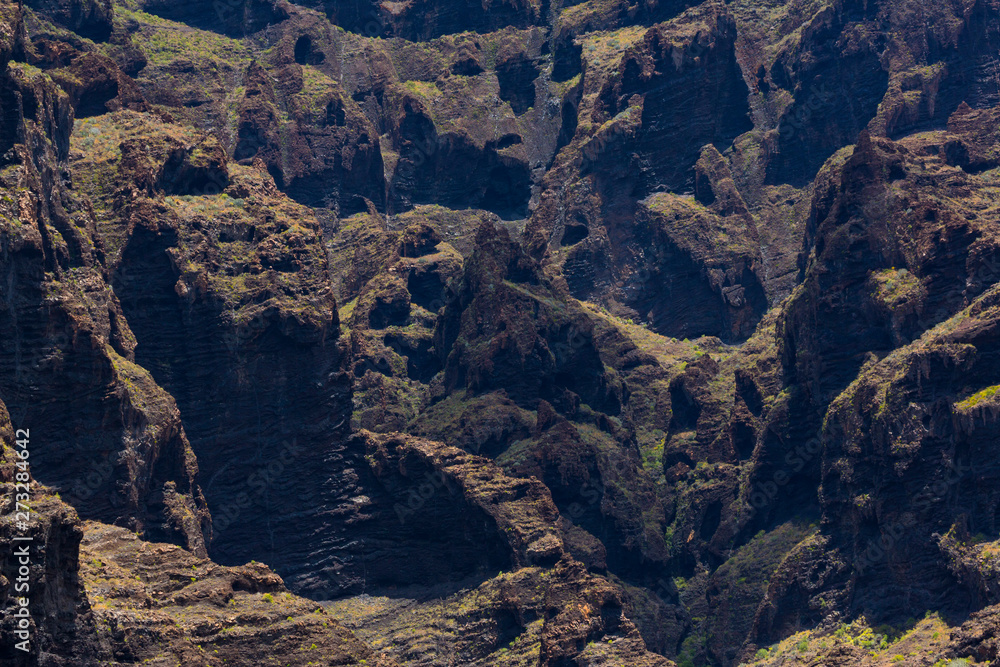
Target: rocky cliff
(562, 333)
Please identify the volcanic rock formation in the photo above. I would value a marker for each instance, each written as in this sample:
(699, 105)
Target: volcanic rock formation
(562, 333)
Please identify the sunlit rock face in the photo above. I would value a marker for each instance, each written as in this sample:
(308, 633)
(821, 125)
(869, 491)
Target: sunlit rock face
(438, 332)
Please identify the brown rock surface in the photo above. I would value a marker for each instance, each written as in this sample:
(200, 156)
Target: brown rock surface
(113, 440)
(547, 333)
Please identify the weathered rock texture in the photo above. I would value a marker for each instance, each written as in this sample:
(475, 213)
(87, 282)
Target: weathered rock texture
(226, 285)
(608, 332)
(101, 594)
(159, 603)
(109, 437)
(59, 622)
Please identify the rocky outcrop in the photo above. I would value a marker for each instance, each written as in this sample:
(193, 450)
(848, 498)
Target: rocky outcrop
(237, 17)
(392, 323)
(535, 333)
(467, 120)
(157, 600)
(902, 402)
(837, 83)
(639, 140)
(450, 502)
(934, 443)
(258, 128)
(529, 615)
(927, 641)
(40, 565)
(328, 157)
(893, 287)
(517, 514)
(92, 19)
(534, 370)
(853, 66)
(96, 86)
(699, 258)
(455, 169)
(423, 19)
(869, 288)
(587, 17)
(114, 441)
(500, 333)
(243, 302)
(929, 81)
(691, 94)
(100, 593)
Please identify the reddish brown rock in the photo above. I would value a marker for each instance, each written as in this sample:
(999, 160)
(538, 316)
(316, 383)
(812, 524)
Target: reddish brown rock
(113, 440)
(92, 20)
(96, 86)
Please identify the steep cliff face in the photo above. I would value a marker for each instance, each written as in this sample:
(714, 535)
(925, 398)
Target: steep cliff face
(923, 413)
(652, 111)
(462, 521)
(903, 261)
(536, 333)
(691, 96)
(836, 75)
(895, 295)
(157, 602)
(237, 18)
(422, 20)
(92, 20)
(501, 335)
(59, 619)
(541, 380)
(319, 147)
(226, 285)
(113, 438)
(100, 594)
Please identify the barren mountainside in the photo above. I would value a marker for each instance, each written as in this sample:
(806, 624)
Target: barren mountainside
(500, 333)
